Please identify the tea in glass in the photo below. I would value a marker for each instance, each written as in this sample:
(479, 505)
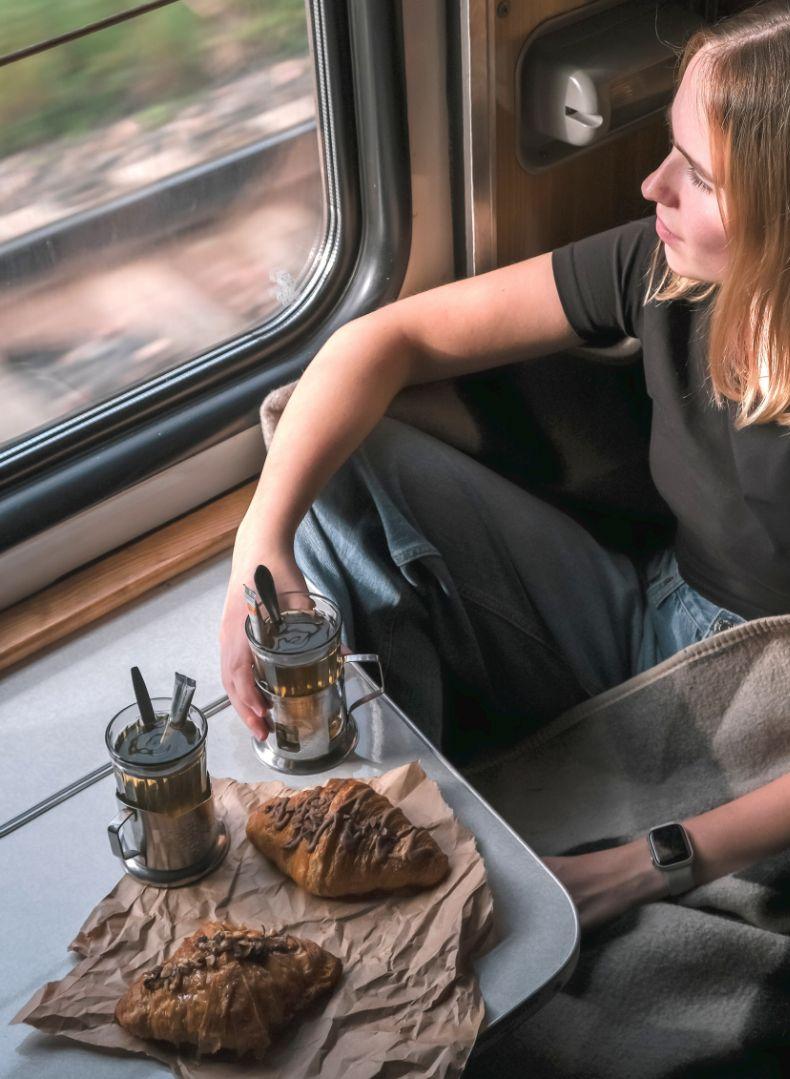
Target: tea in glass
(159, 768)
(300, 665)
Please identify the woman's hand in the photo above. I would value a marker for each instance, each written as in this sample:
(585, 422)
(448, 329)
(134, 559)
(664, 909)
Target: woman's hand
(236, 659)
(606, 883)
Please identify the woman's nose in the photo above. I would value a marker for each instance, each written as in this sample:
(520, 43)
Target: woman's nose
(657, 187)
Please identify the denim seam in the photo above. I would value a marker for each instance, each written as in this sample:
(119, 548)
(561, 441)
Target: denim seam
(694, 618)
(466, 592)
(387, 642)
(408, 554)
(658, 591)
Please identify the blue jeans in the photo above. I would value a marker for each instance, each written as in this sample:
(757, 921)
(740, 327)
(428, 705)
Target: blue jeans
(677, 614)
(491, 610)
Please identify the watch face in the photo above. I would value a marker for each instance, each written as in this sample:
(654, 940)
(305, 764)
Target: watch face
(670, 845)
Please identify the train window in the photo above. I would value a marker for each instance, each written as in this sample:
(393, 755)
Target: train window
(193, 194)
(160, 191)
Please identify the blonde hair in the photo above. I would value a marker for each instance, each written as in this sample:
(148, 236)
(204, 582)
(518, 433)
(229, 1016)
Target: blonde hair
(746, 97)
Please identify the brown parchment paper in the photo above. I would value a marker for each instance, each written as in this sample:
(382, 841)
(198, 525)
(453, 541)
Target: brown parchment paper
(408, 1002)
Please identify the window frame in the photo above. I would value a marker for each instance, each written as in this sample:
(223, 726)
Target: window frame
(358, 51)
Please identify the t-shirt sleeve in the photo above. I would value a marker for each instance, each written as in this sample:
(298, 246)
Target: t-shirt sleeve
(601, 281)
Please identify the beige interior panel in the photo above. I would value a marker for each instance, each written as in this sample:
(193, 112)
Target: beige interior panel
(589, 193)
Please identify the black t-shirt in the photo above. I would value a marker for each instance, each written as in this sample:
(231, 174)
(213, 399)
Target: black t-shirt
(728, 489)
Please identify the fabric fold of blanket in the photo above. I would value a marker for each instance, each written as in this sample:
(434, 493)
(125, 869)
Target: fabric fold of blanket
(693, 987)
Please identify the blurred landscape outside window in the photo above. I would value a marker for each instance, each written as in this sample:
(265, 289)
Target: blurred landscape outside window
(160, 192)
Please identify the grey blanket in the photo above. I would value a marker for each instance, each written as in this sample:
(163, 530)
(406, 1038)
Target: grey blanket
(697, 986)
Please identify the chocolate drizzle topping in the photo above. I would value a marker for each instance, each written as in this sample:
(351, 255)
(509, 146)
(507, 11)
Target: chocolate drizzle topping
(311, 818)
(237, 944)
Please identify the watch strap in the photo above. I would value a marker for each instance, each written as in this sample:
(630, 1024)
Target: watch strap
(680, 878)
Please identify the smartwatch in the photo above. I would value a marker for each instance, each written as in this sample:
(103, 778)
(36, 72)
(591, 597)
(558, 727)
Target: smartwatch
(672, 853)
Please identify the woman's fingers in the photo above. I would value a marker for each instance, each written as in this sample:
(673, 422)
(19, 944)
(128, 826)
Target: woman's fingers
(237, 677)
(249, 703)
(246, 700)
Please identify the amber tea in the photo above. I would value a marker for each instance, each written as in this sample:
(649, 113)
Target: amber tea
(300, 655)
(147, 771)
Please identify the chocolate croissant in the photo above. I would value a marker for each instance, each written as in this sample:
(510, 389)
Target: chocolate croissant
(344, 839)
(228, 987)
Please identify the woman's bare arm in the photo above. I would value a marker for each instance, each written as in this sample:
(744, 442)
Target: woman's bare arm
(483, 322)
(726, 839)
(509, 314)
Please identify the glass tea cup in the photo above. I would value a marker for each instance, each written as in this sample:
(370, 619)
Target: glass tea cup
(167, 832)
(299, 669)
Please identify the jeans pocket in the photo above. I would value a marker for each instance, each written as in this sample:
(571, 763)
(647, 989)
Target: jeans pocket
(682, 619)
(675, 618)
(677, 615)
(685, 617)
(663, 578)
(709, 616)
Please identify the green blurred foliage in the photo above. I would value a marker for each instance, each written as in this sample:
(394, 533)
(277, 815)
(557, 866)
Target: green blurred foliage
(144, 67)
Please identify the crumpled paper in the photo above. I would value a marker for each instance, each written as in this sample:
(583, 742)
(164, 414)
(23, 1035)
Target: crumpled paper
(408, 1002)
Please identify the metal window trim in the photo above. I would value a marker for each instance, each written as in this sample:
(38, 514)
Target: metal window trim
(368, 251)
(477, 48)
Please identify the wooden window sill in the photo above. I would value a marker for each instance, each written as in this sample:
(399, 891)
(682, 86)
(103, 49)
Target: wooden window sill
(120, 577)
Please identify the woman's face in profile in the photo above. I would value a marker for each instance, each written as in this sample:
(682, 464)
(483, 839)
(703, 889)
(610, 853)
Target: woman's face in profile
(682, 188)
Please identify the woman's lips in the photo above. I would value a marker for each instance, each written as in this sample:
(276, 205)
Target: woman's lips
(664, 233)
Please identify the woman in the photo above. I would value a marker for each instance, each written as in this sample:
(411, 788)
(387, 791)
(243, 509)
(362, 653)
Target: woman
(462, 581)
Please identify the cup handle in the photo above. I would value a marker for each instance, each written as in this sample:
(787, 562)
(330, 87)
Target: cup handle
(366, 657)
(115, 833)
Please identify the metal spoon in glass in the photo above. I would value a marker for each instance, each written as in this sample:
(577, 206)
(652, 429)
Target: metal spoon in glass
(183, 692)
(143, 698)
(264, 582)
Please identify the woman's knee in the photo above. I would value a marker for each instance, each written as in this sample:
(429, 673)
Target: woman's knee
(415, 476)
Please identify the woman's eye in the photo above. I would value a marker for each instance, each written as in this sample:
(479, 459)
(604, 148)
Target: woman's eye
(696, 180)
